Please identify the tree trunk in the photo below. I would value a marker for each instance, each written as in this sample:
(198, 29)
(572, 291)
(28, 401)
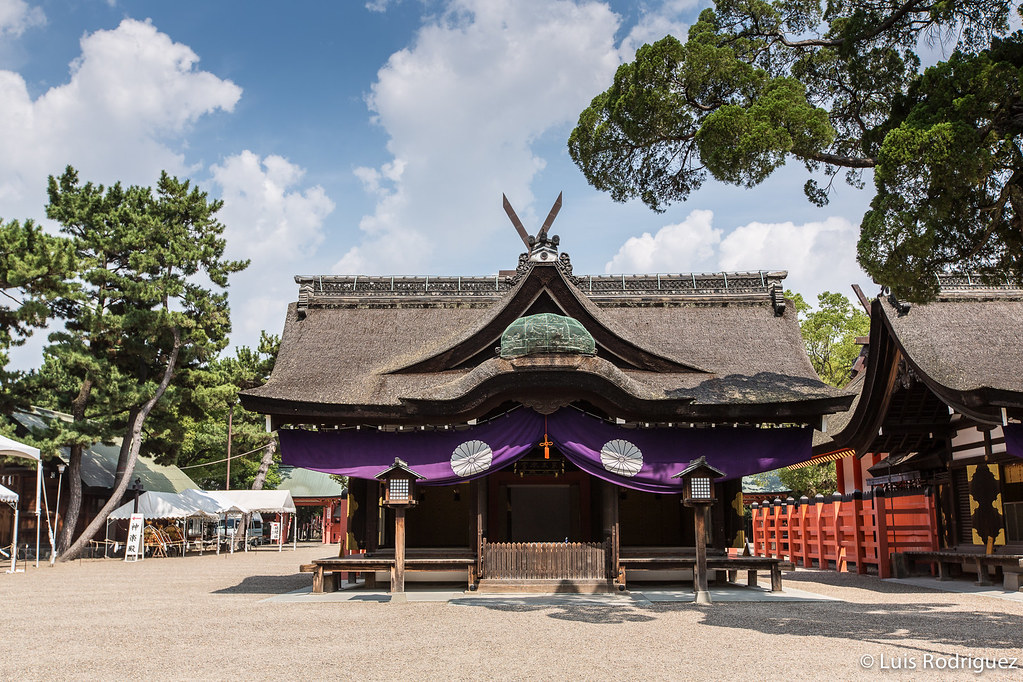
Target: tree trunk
(134, 437)
(264, 464)
(74, 472)
(123, 455)
(74, 500)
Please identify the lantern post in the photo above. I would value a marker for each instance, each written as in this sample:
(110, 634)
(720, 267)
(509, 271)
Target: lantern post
(399, 493)
(698, 492)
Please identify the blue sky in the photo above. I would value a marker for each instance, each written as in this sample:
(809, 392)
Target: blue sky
(377, 137)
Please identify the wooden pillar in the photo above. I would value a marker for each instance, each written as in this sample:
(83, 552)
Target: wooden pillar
(836, 519)
(481, 489)
(883, 557)
(372, 515)
(398, 572)
(700, 575)
(611, 528)
(861, 553)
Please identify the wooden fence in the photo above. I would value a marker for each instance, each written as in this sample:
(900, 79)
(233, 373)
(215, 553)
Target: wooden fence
(545, 560)
(841, 530)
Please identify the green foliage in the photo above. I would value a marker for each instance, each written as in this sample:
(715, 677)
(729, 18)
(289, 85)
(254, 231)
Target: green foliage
(34, 271)
(837, 86)
(204, 421)
(949, 176)
(816, 479)
(830, 332)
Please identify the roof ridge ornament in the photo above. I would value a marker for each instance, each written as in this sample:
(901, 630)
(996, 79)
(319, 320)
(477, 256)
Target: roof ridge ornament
(542, 249)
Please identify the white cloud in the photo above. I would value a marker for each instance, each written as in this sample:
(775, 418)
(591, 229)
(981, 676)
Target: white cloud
(16, 17)
(656, 22)
(268, 219)
(132, 94)
(819, 256)
(276, 223)
(689, 246)
(462, 107)
(378, 5)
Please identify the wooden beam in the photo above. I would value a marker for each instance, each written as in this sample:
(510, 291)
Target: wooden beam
(398, 573)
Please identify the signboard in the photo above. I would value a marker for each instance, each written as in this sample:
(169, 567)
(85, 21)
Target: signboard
(275, 531)
(133, 552)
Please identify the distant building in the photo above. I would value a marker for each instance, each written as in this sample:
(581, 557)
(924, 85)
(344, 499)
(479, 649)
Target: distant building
(322, 503)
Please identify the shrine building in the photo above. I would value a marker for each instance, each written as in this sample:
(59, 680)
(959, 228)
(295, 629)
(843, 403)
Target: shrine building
(542, 412)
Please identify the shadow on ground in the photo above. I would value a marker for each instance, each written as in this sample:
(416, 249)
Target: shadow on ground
(906, 625)
(267, 584)
(581, 612)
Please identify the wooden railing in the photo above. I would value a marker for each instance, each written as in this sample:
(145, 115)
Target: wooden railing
(545, 560)
(836, 531)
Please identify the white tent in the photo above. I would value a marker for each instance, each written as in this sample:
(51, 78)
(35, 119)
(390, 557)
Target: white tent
(10, 497)
(263, 502)
(154, 505)
(211, 503)
(12, 448)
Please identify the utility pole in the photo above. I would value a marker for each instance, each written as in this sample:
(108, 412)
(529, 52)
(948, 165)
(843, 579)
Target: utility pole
(230, 420)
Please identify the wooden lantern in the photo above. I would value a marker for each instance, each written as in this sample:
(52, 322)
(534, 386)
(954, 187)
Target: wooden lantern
(398, 485)
(399, 493)
(698, 491)
(698, 482)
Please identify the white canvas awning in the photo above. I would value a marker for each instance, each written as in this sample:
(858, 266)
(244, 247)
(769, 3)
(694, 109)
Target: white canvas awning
(262, 501)
(153, 505)
(12, 448)
(211, 503)
(9, 496)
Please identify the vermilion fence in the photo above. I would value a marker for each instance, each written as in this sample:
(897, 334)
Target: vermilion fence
(841, 530)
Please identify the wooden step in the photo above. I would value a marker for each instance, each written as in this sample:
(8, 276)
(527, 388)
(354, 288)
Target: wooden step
(497, 586)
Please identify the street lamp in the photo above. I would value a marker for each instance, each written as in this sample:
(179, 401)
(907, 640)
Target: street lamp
(136, 488)
(698, 493)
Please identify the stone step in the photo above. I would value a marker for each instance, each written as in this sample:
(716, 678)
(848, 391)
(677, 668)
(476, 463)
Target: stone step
(544, 586)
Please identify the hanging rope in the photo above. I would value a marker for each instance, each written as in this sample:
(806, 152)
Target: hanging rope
(220, 461)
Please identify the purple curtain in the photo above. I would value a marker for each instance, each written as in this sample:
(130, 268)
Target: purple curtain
(365, 453)
(1013, 439)
(734, 451)
(581, 438)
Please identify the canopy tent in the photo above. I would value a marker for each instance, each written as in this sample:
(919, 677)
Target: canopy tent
(263, 502)
(12, 448)
(211, 503)
(154, 505)
(10, 497)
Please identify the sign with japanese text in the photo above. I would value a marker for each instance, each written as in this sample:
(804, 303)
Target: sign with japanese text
(133, 552)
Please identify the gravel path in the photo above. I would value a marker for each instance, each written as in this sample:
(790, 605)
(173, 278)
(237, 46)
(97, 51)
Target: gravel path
(204, 617)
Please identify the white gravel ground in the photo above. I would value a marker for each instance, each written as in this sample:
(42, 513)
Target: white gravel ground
(205, 617)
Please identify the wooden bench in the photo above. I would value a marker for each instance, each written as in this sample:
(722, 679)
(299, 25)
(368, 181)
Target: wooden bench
(750, 564)
(1010, 565)
(325, 571)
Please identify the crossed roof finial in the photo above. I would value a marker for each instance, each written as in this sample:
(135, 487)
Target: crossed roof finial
(541, 236)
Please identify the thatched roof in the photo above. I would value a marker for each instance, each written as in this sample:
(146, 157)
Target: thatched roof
(712, 347)
(964, 343)
(961, 353)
